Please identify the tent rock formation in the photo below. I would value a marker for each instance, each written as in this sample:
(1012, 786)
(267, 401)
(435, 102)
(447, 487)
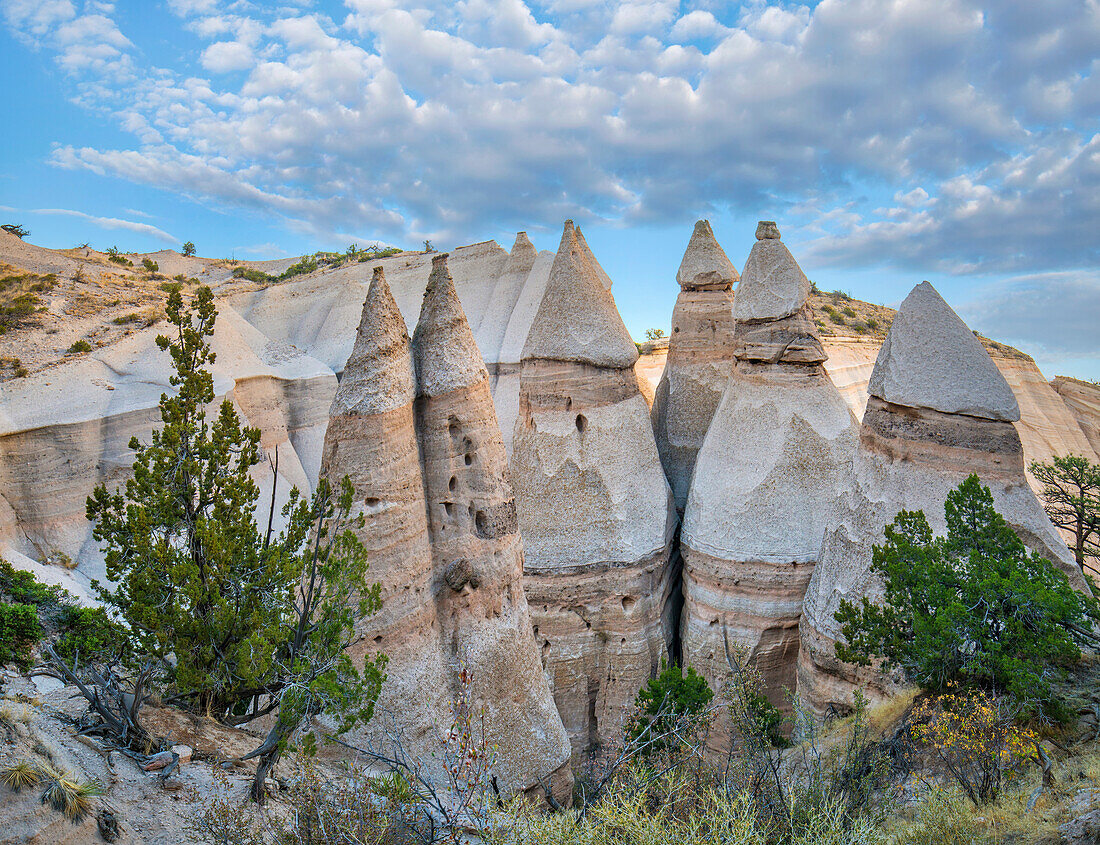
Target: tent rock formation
(700, 356)
(776, 454)
(595, 510)
(910, 457)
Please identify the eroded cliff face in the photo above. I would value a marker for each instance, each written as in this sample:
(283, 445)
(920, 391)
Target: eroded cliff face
(1083, 400)
(594, 507)
(939, 410)
(777, 453)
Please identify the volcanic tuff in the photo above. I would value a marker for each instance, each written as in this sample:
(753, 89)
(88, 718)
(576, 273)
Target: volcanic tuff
(910, 457)
(595, 510)
(700, 356)
(776, 454)
(477, 553)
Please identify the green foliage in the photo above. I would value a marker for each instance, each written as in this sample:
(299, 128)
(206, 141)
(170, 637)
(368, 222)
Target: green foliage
(19, 631)
(306, 265)
(123, 319)
(974, 608)
(242, 622)
(848, 311)
(22, 587)
(188, 249)
(665, 700)
(114, 255)
(252, 275)
(90, 633)
(150, 265)
(654, 334)
(80, 346)
(1071, 497)
(171, 287)
(15, 229)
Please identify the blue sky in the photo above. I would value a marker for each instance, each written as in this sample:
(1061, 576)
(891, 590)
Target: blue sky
(893, 140)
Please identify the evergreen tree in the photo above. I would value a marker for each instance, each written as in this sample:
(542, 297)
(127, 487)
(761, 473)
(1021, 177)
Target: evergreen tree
(1071, 496)
(973, 608)
(242, 622)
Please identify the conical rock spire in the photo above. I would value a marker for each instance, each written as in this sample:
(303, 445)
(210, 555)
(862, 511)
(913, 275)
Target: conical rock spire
(379, 374)
(930, 359)
(597, 268)
(446, 355)
(705, 265)
(577, 320)
(522, 257)
(773, 286)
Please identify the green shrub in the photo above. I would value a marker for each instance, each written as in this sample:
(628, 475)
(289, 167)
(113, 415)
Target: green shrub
(872, 323)
(126, 318)
(188, 249)
(848, 311)
(80, 346)
(837, 318)
(19, 631)
(90, 633)
(306, 265)
(665, 700)
(171, 287)
(150, 265)
(114, 255)
(22, 587)
(252, 275)
(973, 609)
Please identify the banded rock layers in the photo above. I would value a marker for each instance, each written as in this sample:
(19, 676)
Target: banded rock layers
(431, 477)
(938, 411)
(595, 510)
(700, 356)
(774, 458)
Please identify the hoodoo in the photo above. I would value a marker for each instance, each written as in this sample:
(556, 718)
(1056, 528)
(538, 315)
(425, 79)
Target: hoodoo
(700, 357)
(938, 411)
(595, 510)
(774, 458)
(476, 548)
(371, 439)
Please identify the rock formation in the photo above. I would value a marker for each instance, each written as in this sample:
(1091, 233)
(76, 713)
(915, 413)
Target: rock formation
(938, 411)
(477, 553)
(1083, 400)
(700, 357)
(372, 439)
(595, 510)
(775, 457)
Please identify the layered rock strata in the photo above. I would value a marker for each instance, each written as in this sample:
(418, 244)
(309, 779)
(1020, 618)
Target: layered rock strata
(595, 510)
(1083, 400)
(477, 553)
(776, 455)
(372, 440)
(700, 356)
(938, 411)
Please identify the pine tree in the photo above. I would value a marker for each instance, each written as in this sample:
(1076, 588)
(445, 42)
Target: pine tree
(242, 622)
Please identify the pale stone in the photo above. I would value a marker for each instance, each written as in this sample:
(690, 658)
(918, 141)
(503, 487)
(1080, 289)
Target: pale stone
(45, 684)
(700, 356)
(184, 753)
(767, 229)
(772, 285)
(705, 264)
(1082, 398)
(577, 319)
(930, 359)
(477, 552)
(596, 515)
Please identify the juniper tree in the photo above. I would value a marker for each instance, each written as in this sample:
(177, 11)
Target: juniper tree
(242, 621)
(1071, 497)
(972, 608)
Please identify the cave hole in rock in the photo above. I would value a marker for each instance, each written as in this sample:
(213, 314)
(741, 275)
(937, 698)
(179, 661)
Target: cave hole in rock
(453, 484)
(378, 640)
(568, 402)
(481, 525)
(449, 509)
(469, 458)
(628, 603)
(582, 423)
(453, 426)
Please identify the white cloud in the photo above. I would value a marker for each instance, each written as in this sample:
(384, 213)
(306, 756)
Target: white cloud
(111, 223)
(915, 132)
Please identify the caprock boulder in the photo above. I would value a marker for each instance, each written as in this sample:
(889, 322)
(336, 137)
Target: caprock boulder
(938, 411)
(776, 455)
(700, 357)
(595, 510)
(477, 552)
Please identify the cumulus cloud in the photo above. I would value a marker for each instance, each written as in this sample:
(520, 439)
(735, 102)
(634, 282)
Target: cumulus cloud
(112, 223)
(943, 133)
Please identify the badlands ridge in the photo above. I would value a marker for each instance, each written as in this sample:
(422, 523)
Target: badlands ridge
(544, 504)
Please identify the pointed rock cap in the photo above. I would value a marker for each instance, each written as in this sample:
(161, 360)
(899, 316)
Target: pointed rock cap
(446, 356)
(522, 257)
(772, 286)
(578, 320)
(930, 359)
(378, 376)
(705, 264)
(601, 274)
